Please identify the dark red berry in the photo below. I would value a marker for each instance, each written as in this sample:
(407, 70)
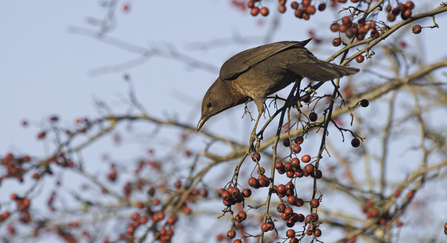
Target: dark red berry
(391, 17)
(294, 5)
(322, 7)
(313, 116)
(355, 142)
(364, 103)
(417, 29)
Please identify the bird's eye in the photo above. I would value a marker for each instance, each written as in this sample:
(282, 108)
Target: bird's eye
(209, 104)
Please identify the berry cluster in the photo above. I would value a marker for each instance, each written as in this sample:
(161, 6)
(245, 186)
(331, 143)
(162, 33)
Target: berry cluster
(306, 9)
(403, 9)
(257, 9)
(23, 204)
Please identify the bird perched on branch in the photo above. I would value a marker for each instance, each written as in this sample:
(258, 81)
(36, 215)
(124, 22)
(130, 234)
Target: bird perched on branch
(261, 71)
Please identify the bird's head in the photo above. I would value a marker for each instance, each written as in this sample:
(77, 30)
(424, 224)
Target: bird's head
(212, 104)
(216, 100)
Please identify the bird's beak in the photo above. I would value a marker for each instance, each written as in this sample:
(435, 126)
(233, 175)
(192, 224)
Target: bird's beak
(201, 122)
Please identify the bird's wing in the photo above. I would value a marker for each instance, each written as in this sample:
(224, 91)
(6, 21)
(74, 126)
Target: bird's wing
(245, 60)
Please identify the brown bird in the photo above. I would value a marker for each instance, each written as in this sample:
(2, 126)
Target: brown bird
(261, 71)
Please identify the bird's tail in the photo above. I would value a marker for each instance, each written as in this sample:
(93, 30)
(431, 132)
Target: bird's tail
(322, 71)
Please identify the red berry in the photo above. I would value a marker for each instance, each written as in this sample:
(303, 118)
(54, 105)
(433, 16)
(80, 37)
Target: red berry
(306, 3)
(410, 194)
(299, 13)
(346, 21)
(406, 14)
(231, 234)
(279, 165)
(317, 233)
(253, 182)
(335, 27)
(280, 208)
(306, 16)
(310, 10)
(246, 192)
(314, 203)
(264, 181)
(360, 58)
(250, 4)
(288, 166)
(254, 11)
(264, 11)
(309, 169)
(281, 189)
(290, 233)
(305, 158)
(290, 173)
(296, 148)
(226, 196)
(291, 200)
(295, 163)
(221, 190)
(288, 211)
(265, 227)
(41, 135)
(256, 157)
(282, 8)
(237, 241)
(289, 186)
(409, 5)
(219, 237)
(336, 42)
(242, 215)
(286, 142)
